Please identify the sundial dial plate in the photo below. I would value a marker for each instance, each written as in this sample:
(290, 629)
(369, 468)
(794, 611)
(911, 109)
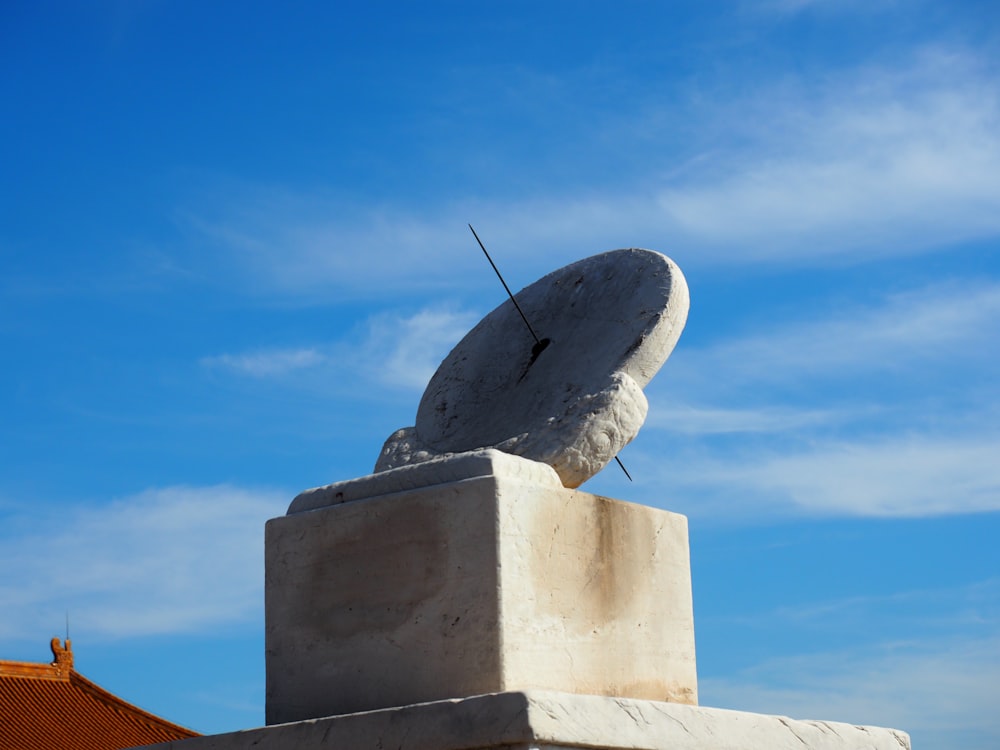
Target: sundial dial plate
(573, 398)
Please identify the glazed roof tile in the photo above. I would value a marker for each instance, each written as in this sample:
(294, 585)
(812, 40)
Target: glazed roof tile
(53, 707)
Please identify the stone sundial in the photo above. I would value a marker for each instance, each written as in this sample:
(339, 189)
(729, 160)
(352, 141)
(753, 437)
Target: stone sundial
(558, 377)
(464, 596)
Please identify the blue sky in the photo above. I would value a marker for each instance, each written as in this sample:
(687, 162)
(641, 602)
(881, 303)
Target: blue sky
(234, 247)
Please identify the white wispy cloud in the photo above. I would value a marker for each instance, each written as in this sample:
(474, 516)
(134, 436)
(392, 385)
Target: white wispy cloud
(885, 166)
(168, 560)
(925, 661)
(405, 351)
(267, 362)
(889, 475)
(898, 476)
(941, 691)
(971, 608)
(894, 412)
(837, 6)
(947, 325)
(876, 162)
(693, 420)
(394, 349)
(276, 239)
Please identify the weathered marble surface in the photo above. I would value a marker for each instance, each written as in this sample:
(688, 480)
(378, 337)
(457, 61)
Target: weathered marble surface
(606, 323)
(553, 721)
(486, 583)
(436, 470)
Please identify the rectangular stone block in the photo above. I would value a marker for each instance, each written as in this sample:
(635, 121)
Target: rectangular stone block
(535, 720)
(497, 581)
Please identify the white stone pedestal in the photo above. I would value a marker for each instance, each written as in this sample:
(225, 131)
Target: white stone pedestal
(477, 574)
(536, 720)
(566, 616)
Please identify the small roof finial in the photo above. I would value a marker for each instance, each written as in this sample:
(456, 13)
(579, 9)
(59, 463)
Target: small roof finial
(63, 655)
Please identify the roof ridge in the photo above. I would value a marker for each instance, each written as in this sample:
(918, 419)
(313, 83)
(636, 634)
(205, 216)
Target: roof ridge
(54, 707)
(58, 669)
(29, 669)
(113, 701)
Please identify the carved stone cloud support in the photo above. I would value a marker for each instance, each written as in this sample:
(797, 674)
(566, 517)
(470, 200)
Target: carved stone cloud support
(591, 432)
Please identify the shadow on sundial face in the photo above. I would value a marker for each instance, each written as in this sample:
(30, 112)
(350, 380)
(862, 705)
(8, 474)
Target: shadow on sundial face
(618, 312)
(540, 346)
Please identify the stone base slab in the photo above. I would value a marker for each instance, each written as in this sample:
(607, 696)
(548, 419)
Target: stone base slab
(539, 720)
(491, 581)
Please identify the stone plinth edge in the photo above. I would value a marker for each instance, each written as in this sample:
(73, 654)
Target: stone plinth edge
(533, 719)
(479, 586)
(452, 467)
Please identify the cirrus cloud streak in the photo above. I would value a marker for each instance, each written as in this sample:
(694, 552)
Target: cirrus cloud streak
(167, 560)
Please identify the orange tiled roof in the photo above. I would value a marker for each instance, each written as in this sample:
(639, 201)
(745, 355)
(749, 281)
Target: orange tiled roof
(52, 707)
